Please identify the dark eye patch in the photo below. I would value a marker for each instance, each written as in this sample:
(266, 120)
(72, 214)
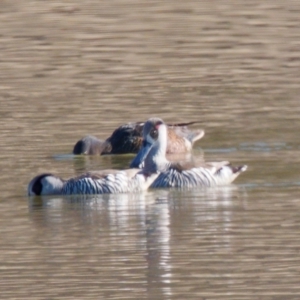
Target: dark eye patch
(154, 133)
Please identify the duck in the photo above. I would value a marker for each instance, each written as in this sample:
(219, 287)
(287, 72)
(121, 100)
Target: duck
(152, 157)
(96, 182)
(128, 138)
(90, 145)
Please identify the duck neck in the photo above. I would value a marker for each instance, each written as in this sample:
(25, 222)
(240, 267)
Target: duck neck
(156, 160)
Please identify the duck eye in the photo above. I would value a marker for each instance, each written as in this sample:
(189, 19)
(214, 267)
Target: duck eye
(154, 133)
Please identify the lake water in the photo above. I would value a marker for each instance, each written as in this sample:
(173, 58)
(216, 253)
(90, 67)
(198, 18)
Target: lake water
(68, 69)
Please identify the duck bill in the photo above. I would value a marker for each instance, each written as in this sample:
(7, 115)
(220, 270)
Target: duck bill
(140, 157)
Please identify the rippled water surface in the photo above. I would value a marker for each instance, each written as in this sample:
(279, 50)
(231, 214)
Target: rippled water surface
(68, 69)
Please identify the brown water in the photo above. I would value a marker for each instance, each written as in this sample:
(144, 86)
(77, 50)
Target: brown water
(77, 68)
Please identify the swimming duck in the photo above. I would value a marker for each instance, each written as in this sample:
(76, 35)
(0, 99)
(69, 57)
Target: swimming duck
(153, 154)
(157, 171)
(90, 145)
(98, 182)
(128, 139)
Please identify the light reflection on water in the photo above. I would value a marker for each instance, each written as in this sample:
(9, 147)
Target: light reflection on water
(68, 70)
(141, 224)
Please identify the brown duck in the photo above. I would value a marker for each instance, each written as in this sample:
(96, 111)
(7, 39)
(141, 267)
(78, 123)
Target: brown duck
(128, 138)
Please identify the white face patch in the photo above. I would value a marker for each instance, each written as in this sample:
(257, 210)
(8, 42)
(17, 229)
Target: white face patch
(51, 185)
(162, 137)
(163, 133)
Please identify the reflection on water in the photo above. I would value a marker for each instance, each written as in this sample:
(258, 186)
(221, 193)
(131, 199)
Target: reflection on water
(255, 147)
(70, 69)
(126, 228)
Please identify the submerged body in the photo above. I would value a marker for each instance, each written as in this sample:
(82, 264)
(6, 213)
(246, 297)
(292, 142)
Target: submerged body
(128, 139)
(90, 145)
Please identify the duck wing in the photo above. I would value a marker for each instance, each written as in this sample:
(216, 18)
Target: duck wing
(188, 175)
(130, 173)
(125, 139)
(181, 139)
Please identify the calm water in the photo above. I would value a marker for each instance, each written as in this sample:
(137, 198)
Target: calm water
(71, 69)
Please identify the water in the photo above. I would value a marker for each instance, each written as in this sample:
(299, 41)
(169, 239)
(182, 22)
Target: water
(70, 69)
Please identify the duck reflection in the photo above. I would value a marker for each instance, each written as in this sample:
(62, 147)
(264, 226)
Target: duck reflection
(136, 234)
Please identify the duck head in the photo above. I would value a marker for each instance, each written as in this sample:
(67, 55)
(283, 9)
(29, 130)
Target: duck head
(154, 144)
(45, 184)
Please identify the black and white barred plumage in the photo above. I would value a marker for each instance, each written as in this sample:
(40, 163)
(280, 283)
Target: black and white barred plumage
(198, 176)
(127, 181)
(116, 183)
